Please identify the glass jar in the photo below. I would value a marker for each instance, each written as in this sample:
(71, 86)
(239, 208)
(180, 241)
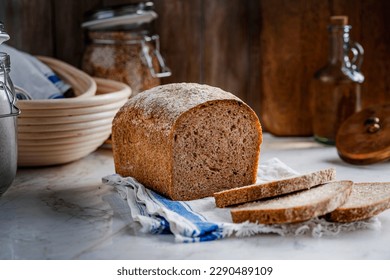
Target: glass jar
(8, 125)
(120, 47)
(336, 88)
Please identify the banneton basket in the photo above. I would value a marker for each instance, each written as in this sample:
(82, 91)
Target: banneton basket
(69, 128)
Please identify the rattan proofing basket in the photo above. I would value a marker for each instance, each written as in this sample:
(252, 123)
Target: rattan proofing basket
(59, 131)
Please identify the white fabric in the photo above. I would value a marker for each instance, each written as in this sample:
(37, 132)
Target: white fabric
(200, 220)
(33, 76)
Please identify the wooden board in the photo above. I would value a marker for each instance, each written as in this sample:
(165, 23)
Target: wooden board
(364, 138)
(294, 45)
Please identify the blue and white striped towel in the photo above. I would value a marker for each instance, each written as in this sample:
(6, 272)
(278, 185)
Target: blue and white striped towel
(33, 76)
(200, 220)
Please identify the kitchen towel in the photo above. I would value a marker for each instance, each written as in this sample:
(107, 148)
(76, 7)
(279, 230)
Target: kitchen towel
(33, 76)
(200, 220)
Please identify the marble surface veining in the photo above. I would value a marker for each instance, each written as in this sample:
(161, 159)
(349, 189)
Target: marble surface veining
(63, 212)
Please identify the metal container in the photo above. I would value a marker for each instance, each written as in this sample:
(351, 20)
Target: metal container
(8, 122)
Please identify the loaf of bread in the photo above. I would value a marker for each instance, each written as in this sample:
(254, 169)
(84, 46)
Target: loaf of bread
(365, 201)
(296, 207)
(187, 141)
(274, 188)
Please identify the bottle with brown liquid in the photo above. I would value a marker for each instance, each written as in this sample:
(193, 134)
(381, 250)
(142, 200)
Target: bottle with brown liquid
(336, 88)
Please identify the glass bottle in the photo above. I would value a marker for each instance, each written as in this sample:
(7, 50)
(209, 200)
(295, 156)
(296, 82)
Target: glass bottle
(336, 88)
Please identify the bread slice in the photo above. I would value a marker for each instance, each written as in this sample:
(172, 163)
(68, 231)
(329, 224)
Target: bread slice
(296, 207)
(274, 188)
(365, 201)
(186, 140)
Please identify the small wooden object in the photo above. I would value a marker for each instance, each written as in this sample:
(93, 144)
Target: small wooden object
(339, 20)
(364, 138)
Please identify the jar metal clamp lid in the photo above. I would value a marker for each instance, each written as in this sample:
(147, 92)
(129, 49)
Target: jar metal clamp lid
(3, 35)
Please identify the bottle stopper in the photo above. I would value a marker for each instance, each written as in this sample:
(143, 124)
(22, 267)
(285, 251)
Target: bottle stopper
(339, 20)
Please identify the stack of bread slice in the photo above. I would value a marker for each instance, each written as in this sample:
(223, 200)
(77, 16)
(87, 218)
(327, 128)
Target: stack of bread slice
(304, 197)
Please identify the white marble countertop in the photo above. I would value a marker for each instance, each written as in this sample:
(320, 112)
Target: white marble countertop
(60, 213)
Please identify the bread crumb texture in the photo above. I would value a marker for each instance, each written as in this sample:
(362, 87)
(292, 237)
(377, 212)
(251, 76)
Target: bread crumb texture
(187, 140)
(296, 207)
(365, 201)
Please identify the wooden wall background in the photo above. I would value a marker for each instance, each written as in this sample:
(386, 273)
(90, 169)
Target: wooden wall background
(264, 51)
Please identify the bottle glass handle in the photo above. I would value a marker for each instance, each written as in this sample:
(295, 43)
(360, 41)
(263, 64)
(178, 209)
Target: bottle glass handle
(358, 53)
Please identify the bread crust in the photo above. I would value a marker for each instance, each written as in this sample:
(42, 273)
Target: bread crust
(296, 207)
(274, 188)
(366, 200)
(144, 131)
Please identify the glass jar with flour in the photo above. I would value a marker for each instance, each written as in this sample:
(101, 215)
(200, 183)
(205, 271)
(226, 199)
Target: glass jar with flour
(121, 48)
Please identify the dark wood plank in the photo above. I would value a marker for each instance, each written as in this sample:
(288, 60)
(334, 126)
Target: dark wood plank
(254, 77)
(69, 36)
(29, 24)
(180, 28)
(226, 46)
(375, 38)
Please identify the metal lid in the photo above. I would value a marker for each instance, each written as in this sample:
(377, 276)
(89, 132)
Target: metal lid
(364, 138)
(120, 17)
(7, 94)
(3, 34)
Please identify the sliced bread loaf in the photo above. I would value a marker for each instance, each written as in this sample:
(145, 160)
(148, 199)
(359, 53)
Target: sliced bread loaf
(365, 201)
(274, 188)
(187, 141)
(296, 207)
